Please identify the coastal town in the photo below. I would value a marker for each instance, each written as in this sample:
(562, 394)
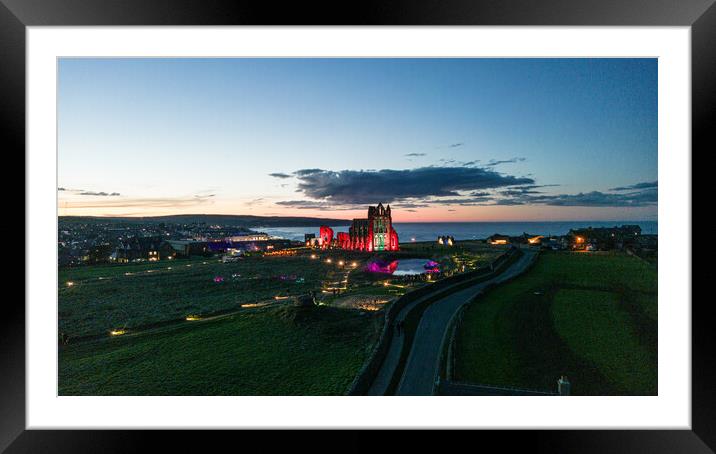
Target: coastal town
(101, 241)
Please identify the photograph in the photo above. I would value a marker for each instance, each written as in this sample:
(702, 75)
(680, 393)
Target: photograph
(355, 226)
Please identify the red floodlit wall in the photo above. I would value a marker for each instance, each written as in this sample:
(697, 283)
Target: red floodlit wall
(363, 242)
(326, 234)
(344, 241)
(394, 244)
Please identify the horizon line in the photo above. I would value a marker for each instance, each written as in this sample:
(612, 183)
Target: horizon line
(350, 220)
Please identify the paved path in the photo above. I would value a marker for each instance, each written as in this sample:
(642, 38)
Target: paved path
(422, 365)
(382, 380)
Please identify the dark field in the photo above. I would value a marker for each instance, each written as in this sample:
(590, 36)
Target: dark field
(110, 297)
(276, 351)
(273, 349)
(103, 298)
(592, 317)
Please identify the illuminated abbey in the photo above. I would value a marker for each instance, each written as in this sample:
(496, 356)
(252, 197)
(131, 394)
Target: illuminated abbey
(374, 233)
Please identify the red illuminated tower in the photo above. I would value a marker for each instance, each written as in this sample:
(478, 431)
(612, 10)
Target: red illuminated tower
(376, 233)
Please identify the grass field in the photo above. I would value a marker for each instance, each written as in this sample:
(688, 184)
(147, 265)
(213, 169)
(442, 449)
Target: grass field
(270, 351)
(591, 317)
(94, 300)
(276, 349)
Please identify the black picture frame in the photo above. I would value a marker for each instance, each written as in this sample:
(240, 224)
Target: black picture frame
(16, 15)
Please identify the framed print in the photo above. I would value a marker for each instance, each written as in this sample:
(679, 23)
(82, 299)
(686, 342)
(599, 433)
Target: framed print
(415, 217)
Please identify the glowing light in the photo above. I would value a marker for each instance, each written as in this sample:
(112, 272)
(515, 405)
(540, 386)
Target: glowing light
(340, 262)
(70, 283)
(354, 264)
(313, 256)
(191, 318)
(364, 237)
(277, 297)
(117, 332)
(328, 260)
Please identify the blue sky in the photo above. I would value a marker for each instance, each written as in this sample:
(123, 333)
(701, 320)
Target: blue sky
(440, 139)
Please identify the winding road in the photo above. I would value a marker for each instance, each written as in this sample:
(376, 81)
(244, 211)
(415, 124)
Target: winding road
(421, 368)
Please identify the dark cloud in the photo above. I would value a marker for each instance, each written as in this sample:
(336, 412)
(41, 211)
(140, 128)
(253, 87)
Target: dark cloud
(587, 199)
(493, 162)
(517, 192)
(645, 185)
(402, 205)
(455, 162)
(306, 172)
(279, 175)
(101, 193)
(316, 205)
(368, 186)
(414, 155)
(158, 202)
(456, 145)
(464, 201)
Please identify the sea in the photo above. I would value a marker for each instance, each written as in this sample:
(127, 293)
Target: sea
(429, 231)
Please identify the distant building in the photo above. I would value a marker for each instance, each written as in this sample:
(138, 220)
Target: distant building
(142, 248)
(498, 239)
(248, 238)
(603, 238)
(446, 240)
(187, 248)
(374, 233)
(552, 243)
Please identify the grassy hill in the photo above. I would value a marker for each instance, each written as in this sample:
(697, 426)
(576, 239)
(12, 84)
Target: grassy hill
(592, 317)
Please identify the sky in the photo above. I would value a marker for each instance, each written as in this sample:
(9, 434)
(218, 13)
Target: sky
(437, 139)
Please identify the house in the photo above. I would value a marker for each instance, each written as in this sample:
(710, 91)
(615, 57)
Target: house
(604, 238)
(142, 248)
(498, 239)
(551, 243)
(187, 248)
